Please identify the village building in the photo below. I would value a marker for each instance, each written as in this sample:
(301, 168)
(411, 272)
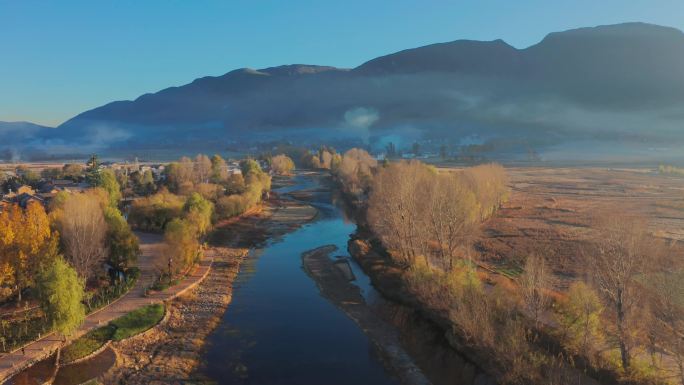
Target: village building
(234, 168)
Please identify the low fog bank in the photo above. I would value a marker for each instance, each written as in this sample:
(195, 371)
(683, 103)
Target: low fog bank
(469, 141)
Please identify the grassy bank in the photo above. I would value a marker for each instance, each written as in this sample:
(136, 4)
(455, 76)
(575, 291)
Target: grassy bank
(121, 328)
(137, 321)
(87, 344)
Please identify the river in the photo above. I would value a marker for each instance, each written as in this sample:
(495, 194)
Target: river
(279, 330)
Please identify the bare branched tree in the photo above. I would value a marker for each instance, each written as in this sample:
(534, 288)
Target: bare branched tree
(489, 182)
(620, 256)
(185, 173)
(202, 168)
(355, 170)
(418, 211)
(83, 230)
(534, 284)
(396, 209)
(451, 217)
(326, 159)
(667, 306)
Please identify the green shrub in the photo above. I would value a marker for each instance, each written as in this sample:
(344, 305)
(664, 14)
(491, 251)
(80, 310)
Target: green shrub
(105, 295)
(154, 212)
(237, 204)
(579, 315)
(231, 205)
(164, 283)
(667, 169)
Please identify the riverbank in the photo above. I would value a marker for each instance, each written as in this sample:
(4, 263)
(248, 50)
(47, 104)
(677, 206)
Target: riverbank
(388, 280)
(391, 281)
(170, 353)
(337, 289)
(15, 363)
(29, 366)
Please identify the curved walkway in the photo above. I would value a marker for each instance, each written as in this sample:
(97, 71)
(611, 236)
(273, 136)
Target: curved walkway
(149, 262)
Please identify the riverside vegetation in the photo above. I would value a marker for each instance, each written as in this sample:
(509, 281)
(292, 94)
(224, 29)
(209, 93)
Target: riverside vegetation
(620, 322)
(51, 256)
(175, 351)
(193, 196)
(668, 169)
(50, 259)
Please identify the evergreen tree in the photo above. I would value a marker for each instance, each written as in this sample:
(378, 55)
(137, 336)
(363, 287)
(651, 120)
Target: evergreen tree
(92, 172)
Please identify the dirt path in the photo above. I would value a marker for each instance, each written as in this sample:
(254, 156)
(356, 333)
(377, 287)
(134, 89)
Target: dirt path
(150, 245)
(347, 297)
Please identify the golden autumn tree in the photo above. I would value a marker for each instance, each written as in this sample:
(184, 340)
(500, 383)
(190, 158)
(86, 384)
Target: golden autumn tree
(27, 244)
(37, 237)
(6, 241)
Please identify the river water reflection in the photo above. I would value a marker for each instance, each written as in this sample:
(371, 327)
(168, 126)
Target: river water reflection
(279, 330)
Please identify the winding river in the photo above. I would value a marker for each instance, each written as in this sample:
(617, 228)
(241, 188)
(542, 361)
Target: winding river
(279, 330)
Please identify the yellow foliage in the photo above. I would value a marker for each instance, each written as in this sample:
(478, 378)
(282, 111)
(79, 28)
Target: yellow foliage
(580, 316)
(6, 229)
(35, 230)
(6, 274)
(26, 242)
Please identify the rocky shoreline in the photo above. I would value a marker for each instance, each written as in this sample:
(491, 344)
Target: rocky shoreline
(347, 297)
(170, 352)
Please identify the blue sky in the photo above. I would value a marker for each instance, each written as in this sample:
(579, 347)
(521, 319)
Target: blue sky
(59, 58)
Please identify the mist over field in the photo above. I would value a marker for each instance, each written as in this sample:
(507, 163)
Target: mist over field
(590, 93)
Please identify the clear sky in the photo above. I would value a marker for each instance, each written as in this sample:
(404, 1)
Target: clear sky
(59, 58)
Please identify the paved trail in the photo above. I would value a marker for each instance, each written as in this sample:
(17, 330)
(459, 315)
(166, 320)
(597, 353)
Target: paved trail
(149, 261)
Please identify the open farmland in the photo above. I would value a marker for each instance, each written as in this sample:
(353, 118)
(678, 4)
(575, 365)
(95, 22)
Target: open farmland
(551, 212)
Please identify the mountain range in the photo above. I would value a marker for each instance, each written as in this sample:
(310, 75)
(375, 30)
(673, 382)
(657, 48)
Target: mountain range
(614, 91)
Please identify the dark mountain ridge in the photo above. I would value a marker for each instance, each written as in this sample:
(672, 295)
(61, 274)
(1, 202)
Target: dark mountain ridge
(619, 83)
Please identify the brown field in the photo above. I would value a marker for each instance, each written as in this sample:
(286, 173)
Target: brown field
(551, 211)
(38, 167)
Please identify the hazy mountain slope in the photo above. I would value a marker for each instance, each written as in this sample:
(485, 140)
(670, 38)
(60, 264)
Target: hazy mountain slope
(621, 82)
(14, 135)
(629, 65)
(9, 129)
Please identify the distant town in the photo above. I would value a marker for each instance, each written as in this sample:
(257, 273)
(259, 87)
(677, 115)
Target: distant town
(40, 182)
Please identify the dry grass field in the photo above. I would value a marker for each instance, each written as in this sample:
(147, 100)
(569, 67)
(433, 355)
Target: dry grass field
(37, 167)
(551, 212)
